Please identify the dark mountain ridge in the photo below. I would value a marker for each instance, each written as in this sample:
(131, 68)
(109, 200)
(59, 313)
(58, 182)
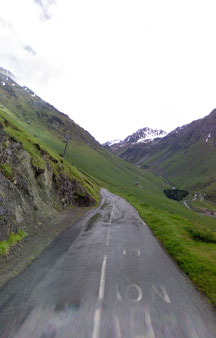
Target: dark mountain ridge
(186, 156)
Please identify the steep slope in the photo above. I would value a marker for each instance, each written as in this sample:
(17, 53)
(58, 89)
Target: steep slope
(34, 183)
(187, 156)
(40, 130)
(32, 112)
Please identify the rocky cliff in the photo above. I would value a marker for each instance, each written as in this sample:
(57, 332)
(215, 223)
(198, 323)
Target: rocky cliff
(30, 194)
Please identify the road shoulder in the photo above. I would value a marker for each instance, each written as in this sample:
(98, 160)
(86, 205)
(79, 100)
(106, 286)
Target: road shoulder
(23, 254)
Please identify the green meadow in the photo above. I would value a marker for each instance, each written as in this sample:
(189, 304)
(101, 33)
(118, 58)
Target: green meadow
(186, 235)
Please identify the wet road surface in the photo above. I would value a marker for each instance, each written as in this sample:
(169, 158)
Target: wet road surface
(112, 280)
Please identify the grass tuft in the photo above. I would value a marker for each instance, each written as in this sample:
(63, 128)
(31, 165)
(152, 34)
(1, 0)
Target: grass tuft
(202, 234)
(12, 240)
(6, 170)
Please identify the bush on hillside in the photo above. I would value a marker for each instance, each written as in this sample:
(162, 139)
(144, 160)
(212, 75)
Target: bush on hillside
(176, 194)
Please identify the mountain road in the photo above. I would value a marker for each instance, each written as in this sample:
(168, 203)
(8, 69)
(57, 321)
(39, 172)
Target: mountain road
(107, 276)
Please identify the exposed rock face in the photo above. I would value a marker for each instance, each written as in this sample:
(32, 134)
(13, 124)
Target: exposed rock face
(70, 192)
(29, 195)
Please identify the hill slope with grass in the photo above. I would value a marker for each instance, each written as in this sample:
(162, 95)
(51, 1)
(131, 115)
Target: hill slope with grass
(187, 157)
(188, 236)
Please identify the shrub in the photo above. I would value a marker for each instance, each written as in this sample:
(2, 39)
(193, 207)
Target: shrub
(176, 194)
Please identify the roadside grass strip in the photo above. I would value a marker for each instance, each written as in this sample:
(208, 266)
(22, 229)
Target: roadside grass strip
(192, 246)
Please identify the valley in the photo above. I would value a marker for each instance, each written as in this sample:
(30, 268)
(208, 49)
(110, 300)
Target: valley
(38, 186)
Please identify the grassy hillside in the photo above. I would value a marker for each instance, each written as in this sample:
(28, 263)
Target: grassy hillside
(188, 236)
(187, 156)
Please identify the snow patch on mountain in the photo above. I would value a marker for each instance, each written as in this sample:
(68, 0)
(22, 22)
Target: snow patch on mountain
(111, 143)
(145, 135)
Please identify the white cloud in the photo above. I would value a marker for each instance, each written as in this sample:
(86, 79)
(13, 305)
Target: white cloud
(115, 66)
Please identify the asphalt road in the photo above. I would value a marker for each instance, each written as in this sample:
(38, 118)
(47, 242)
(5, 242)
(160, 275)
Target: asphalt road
(107, 278)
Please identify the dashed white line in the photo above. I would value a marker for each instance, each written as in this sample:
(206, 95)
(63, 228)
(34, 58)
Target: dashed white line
(137, 251)
(97, 315)
(118, 328)
(97, 319)
(102, 280)
(124, 252)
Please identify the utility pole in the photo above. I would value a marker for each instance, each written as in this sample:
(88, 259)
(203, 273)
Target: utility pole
(66, 141)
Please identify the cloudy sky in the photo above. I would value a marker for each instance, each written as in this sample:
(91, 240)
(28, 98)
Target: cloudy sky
(115, 66)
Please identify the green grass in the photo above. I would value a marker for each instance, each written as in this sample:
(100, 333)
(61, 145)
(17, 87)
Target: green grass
(6, 170)
(202, 234)
(203, 205)
(192, 168)
(195, 256)
(40, 154)
(170, 221)
(12, 240)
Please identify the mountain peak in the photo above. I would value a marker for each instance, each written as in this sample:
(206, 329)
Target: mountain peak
(145, 135)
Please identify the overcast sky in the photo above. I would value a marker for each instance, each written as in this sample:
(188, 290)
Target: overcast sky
(115, 66)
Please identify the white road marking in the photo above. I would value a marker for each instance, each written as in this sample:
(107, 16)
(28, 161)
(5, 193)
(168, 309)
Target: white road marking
(118, 293)
(124, 252)
(139, 293)
(102, 280)
(97, 315)
(150, 333)
(137, 251)
(163, 295)
(97, 319)
(166, 297)
(108, 237)
(118, 328)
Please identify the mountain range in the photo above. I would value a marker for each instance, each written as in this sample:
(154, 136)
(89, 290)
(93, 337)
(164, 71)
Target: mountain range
(186, 156)
(37, 183)
(131, 148)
